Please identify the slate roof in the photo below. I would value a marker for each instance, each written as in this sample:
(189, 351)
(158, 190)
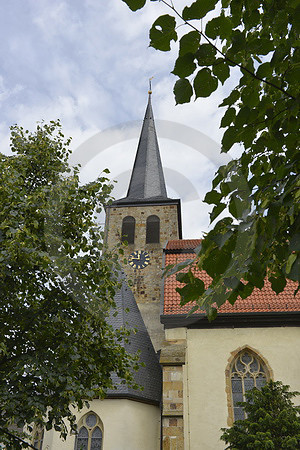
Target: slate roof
(149, 376)
(147, 181)
(264, 300)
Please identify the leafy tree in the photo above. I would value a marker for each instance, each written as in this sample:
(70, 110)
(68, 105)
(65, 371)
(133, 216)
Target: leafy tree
(273, 422)
(57, 285)
(256, 41)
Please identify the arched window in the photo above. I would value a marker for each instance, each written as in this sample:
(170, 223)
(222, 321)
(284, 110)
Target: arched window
(82, 439)
(152, 230)
(247, 371)
(90, 434)
(128, 229)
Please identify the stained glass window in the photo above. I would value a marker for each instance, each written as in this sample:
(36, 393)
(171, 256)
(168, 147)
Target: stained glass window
(91, 420)
(82, 439)
(247, 372)
(96, 439)
(90, 435)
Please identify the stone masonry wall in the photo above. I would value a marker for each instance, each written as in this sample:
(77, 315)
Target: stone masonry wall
(172, 359)
(173, 433)
(147, 282)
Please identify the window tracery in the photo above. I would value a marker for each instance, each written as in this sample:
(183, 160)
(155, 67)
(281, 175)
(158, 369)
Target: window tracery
(247, 371)
(90, 435)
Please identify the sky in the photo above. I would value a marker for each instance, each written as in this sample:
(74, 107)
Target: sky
(88, 63)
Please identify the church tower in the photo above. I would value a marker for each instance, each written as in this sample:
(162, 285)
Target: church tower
(146, 219)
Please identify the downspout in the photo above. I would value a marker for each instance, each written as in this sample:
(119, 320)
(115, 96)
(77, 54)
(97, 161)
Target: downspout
(188, 391)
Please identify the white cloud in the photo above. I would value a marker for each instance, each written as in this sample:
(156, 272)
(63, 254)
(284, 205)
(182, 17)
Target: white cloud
(88, 63)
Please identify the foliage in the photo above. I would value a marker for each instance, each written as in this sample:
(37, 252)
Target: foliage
(255, 41)
(57, 285)
(273, 422)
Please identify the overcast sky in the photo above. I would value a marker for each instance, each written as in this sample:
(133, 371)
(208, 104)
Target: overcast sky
(87, 62)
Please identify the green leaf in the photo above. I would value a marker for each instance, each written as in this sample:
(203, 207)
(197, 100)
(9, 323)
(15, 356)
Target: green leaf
(216, 211)
(293, 75)
(251, 18)
(219, 26)
(134, 5)
(171, 269)
(163, 32)
(183, 91)
(225, 188)
(213, 197)
(278, 283)
(205, 83)
(245, 290)
(228, 117)
(250, 96)
(242, 116)
(291, 259)
(206, 55)
(295, 243)
(212, 314)
(278, 55)
(221, 239)
(189, 43)
(238, 42)
(231, 99)
(191, 291)
(264, 70)
(184, 277)
(294, 274)
(264, 46)
(229, 138)
(184, 65)
(295, 17)
(221, 70)
(217, 262)
(198, 9)
(237, 207)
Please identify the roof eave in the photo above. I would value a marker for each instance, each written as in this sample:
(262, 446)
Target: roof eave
(133, 397)
(143, 201)
(233, 320)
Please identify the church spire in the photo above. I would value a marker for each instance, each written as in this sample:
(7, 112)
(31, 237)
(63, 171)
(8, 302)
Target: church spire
(147, 179)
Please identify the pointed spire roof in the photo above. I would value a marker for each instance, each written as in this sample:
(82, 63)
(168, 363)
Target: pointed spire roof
(147, 179)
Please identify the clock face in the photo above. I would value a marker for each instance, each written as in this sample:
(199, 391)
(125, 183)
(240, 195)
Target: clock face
(139, 259)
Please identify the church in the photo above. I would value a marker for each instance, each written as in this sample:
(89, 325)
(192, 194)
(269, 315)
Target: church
(194, 372)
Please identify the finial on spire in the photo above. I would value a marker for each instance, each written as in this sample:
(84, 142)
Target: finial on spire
(150, 85)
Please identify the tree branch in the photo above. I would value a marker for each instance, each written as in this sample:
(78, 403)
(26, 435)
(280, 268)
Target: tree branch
(226, 57)
(17, 438)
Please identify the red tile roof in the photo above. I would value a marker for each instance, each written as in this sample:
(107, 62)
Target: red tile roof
(186, 244)
(264, 300)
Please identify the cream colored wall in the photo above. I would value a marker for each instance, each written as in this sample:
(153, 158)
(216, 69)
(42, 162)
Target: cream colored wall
(208, 351)
(128, 425)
